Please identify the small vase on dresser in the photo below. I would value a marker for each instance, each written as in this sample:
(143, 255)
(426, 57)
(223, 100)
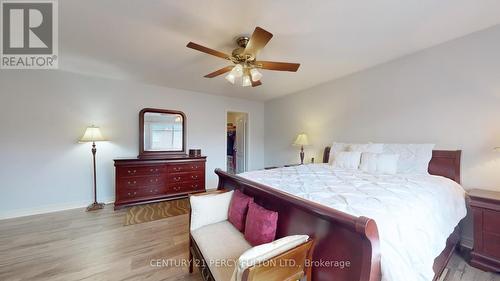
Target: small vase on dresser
(163, 170)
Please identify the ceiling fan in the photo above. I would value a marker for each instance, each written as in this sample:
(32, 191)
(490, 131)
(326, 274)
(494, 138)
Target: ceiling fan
(244, 59)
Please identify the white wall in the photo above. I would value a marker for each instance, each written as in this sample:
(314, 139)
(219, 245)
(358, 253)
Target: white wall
(43, 113)
(448, 95)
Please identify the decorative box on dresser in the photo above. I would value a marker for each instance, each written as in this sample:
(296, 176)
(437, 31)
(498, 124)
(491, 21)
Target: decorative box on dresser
(485, 207)
(141, 181)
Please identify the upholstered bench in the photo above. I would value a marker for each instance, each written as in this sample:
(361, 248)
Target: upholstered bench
(221, 252)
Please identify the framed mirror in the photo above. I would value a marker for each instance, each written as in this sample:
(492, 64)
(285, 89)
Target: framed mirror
(161, 133)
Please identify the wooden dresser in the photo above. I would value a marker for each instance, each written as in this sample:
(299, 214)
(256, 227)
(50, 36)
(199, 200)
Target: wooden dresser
(150, 180)
(485, 207)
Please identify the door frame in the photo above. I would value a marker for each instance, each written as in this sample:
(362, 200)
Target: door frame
(247, 139)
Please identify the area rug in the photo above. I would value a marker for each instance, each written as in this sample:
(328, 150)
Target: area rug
(157, 211)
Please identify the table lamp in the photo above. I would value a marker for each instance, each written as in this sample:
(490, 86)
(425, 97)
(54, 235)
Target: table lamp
(93, 134)
(301, 140)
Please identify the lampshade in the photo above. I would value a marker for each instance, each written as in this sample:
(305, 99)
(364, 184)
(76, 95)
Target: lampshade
(245, 82)
(92, 134)
(231, 78)
(497, 149)
(301, 140)
(256, 75)
(237, 70)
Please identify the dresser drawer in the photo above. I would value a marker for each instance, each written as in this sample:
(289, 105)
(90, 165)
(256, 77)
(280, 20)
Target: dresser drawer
(187, 186)
(186, 167)
(135, 194)
(175, 178)
(139, 171)
(139, 182)
(491, 221)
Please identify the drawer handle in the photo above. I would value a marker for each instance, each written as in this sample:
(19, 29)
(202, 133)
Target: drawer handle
(132, 183)
(155, 180)
(194, 177)
(153, 190)
(177, 178)
(132, 193)
(194, 167)
(177, 168)
(154, 170)
(194, 186)
(132, 171)
(177, 188)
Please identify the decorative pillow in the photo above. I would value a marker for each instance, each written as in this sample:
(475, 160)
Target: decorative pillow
(382, 163)
(238, 209)
(367, 147)
(264, 252)
(347, 160)
(261, 225)
(209, 209)
(413, 158)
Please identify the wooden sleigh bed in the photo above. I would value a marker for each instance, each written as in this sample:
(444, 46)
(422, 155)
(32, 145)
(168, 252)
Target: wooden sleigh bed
(340, 237)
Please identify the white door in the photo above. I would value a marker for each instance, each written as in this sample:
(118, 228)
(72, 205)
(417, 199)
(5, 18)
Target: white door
(241, 126)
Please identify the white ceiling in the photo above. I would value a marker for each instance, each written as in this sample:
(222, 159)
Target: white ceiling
(145, 40)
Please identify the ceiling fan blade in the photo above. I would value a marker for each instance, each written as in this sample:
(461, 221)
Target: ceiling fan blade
(280, 66)
(219, 72)
(259, 39)
(208, 50)
(256, 83)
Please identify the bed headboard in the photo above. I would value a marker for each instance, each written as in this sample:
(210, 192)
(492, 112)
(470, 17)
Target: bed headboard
(444, 163)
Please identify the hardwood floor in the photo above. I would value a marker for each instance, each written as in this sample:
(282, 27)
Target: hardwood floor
(459, 270)
(76, 245)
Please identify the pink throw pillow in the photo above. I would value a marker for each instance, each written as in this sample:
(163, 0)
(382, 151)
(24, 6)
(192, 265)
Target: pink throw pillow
(238, 209)
(261, 224)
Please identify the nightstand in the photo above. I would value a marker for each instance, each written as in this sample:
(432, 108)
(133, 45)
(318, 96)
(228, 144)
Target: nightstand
(485, 207)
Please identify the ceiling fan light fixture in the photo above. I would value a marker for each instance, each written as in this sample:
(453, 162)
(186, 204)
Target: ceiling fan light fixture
(256, 75)
(237, 70)
(245, 82)
(231, 78)
(244, 67)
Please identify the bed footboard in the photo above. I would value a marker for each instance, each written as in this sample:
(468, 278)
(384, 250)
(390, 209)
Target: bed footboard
(346, 247)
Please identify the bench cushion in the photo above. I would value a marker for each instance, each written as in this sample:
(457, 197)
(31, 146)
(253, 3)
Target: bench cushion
(220, 242)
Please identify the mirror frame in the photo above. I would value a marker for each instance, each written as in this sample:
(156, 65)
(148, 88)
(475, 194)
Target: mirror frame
(160, 154)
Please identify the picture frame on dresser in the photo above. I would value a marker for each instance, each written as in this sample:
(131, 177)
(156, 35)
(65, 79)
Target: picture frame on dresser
(162, 170)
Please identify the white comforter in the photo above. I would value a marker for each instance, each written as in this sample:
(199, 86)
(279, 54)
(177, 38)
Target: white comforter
(415, 214)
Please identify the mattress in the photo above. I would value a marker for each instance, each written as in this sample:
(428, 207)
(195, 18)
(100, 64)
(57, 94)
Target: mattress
(415, 213)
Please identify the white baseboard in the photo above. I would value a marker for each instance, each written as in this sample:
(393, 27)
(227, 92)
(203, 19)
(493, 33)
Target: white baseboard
(47, 209)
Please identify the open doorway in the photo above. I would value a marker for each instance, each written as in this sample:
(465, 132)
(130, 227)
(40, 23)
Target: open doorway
(237, 144)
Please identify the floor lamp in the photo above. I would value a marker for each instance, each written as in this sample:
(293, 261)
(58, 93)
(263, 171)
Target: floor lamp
(93, 134)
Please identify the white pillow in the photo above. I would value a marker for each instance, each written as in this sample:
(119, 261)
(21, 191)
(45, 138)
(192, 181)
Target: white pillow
(413, 158)
(366, 147)
(336, 148)
(264, 252)
(209, 209)
(382, 163)
(347, 160)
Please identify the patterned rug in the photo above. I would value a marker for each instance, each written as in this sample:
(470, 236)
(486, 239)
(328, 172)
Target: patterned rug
(157, 211)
